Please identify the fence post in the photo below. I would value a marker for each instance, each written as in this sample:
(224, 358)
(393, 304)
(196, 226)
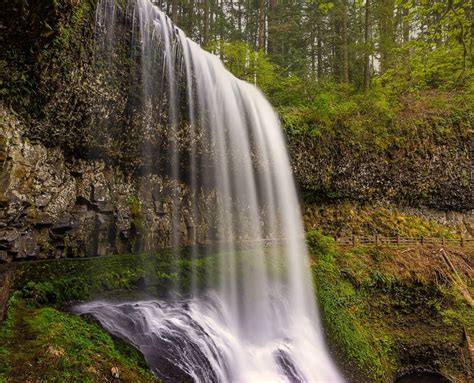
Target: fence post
(442, 241)
(462, 241)
(376, 239)
(353, 240)
(398, 240)
(422, 240)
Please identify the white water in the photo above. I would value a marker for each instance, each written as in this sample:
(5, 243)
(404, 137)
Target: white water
(198, 337)
(252, 325)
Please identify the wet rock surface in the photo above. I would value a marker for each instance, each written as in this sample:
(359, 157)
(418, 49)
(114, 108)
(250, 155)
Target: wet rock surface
(55, 206)
(432, 171)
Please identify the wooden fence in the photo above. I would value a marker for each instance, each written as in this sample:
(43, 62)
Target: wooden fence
(403, 241)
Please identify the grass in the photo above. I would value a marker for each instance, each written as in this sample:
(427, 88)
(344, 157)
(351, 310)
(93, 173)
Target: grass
(343, 310)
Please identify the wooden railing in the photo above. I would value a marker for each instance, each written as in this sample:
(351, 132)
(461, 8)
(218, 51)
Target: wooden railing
(402, 241)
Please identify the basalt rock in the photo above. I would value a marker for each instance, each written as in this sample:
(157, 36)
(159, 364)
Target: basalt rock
(57, 206)
(429, 170)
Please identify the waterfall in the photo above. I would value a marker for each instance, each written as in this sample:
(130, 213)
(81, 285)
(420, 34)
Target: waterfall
(256, 320)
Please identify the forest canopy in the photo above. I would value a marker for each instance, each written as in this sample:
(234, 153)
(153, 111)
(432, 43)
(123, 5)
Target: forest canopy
(366, 73)
(408, 44)
(319, 52)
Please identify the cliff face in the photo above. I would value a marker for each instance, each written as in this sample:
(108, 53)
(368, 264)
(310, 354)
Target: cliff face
(54, 206)
(70, 95)
(422, 156)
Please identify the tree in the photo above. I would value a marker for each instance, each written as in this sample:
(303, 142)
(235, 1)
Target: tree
(261, 24)
(386, 10)
(345, 48)
(367, 45)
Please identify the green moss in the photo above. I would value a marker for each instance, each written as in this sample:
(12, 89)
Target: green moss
(77, 17)
(347, 218)
(386, 308)
(44, 344)
(60, 281)
(6, 332)
(136, 213)
(134, 205)
(344, 313)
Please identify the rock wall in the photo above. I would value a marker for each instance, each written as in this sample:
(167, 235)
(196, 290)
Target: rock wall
(427, 170)
(419, 155)
(56, 206)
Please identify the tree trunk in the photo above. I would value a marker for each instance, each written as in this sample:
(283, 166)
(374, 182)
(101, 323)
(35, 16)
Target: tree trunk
(406, 26)
(272, 27)
(190, 18)
(345, 48)
(239, 4)
(320, 53)
(386, 42)
(206, 22)
(313, 54)
(367, 47)
(174, 11)
(261, 24)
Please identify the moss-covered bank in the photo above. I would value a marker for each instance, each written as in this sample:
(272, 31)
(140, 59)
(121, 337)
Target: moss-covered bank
(42, 344)
(41, 341)
(389, 310)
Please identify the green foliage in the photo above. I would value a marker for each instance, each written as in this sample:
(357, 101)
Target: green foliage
(344, 313)
(320, 244)
(375, 120)
(245, 63)
(375, 301)
(327, 110)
